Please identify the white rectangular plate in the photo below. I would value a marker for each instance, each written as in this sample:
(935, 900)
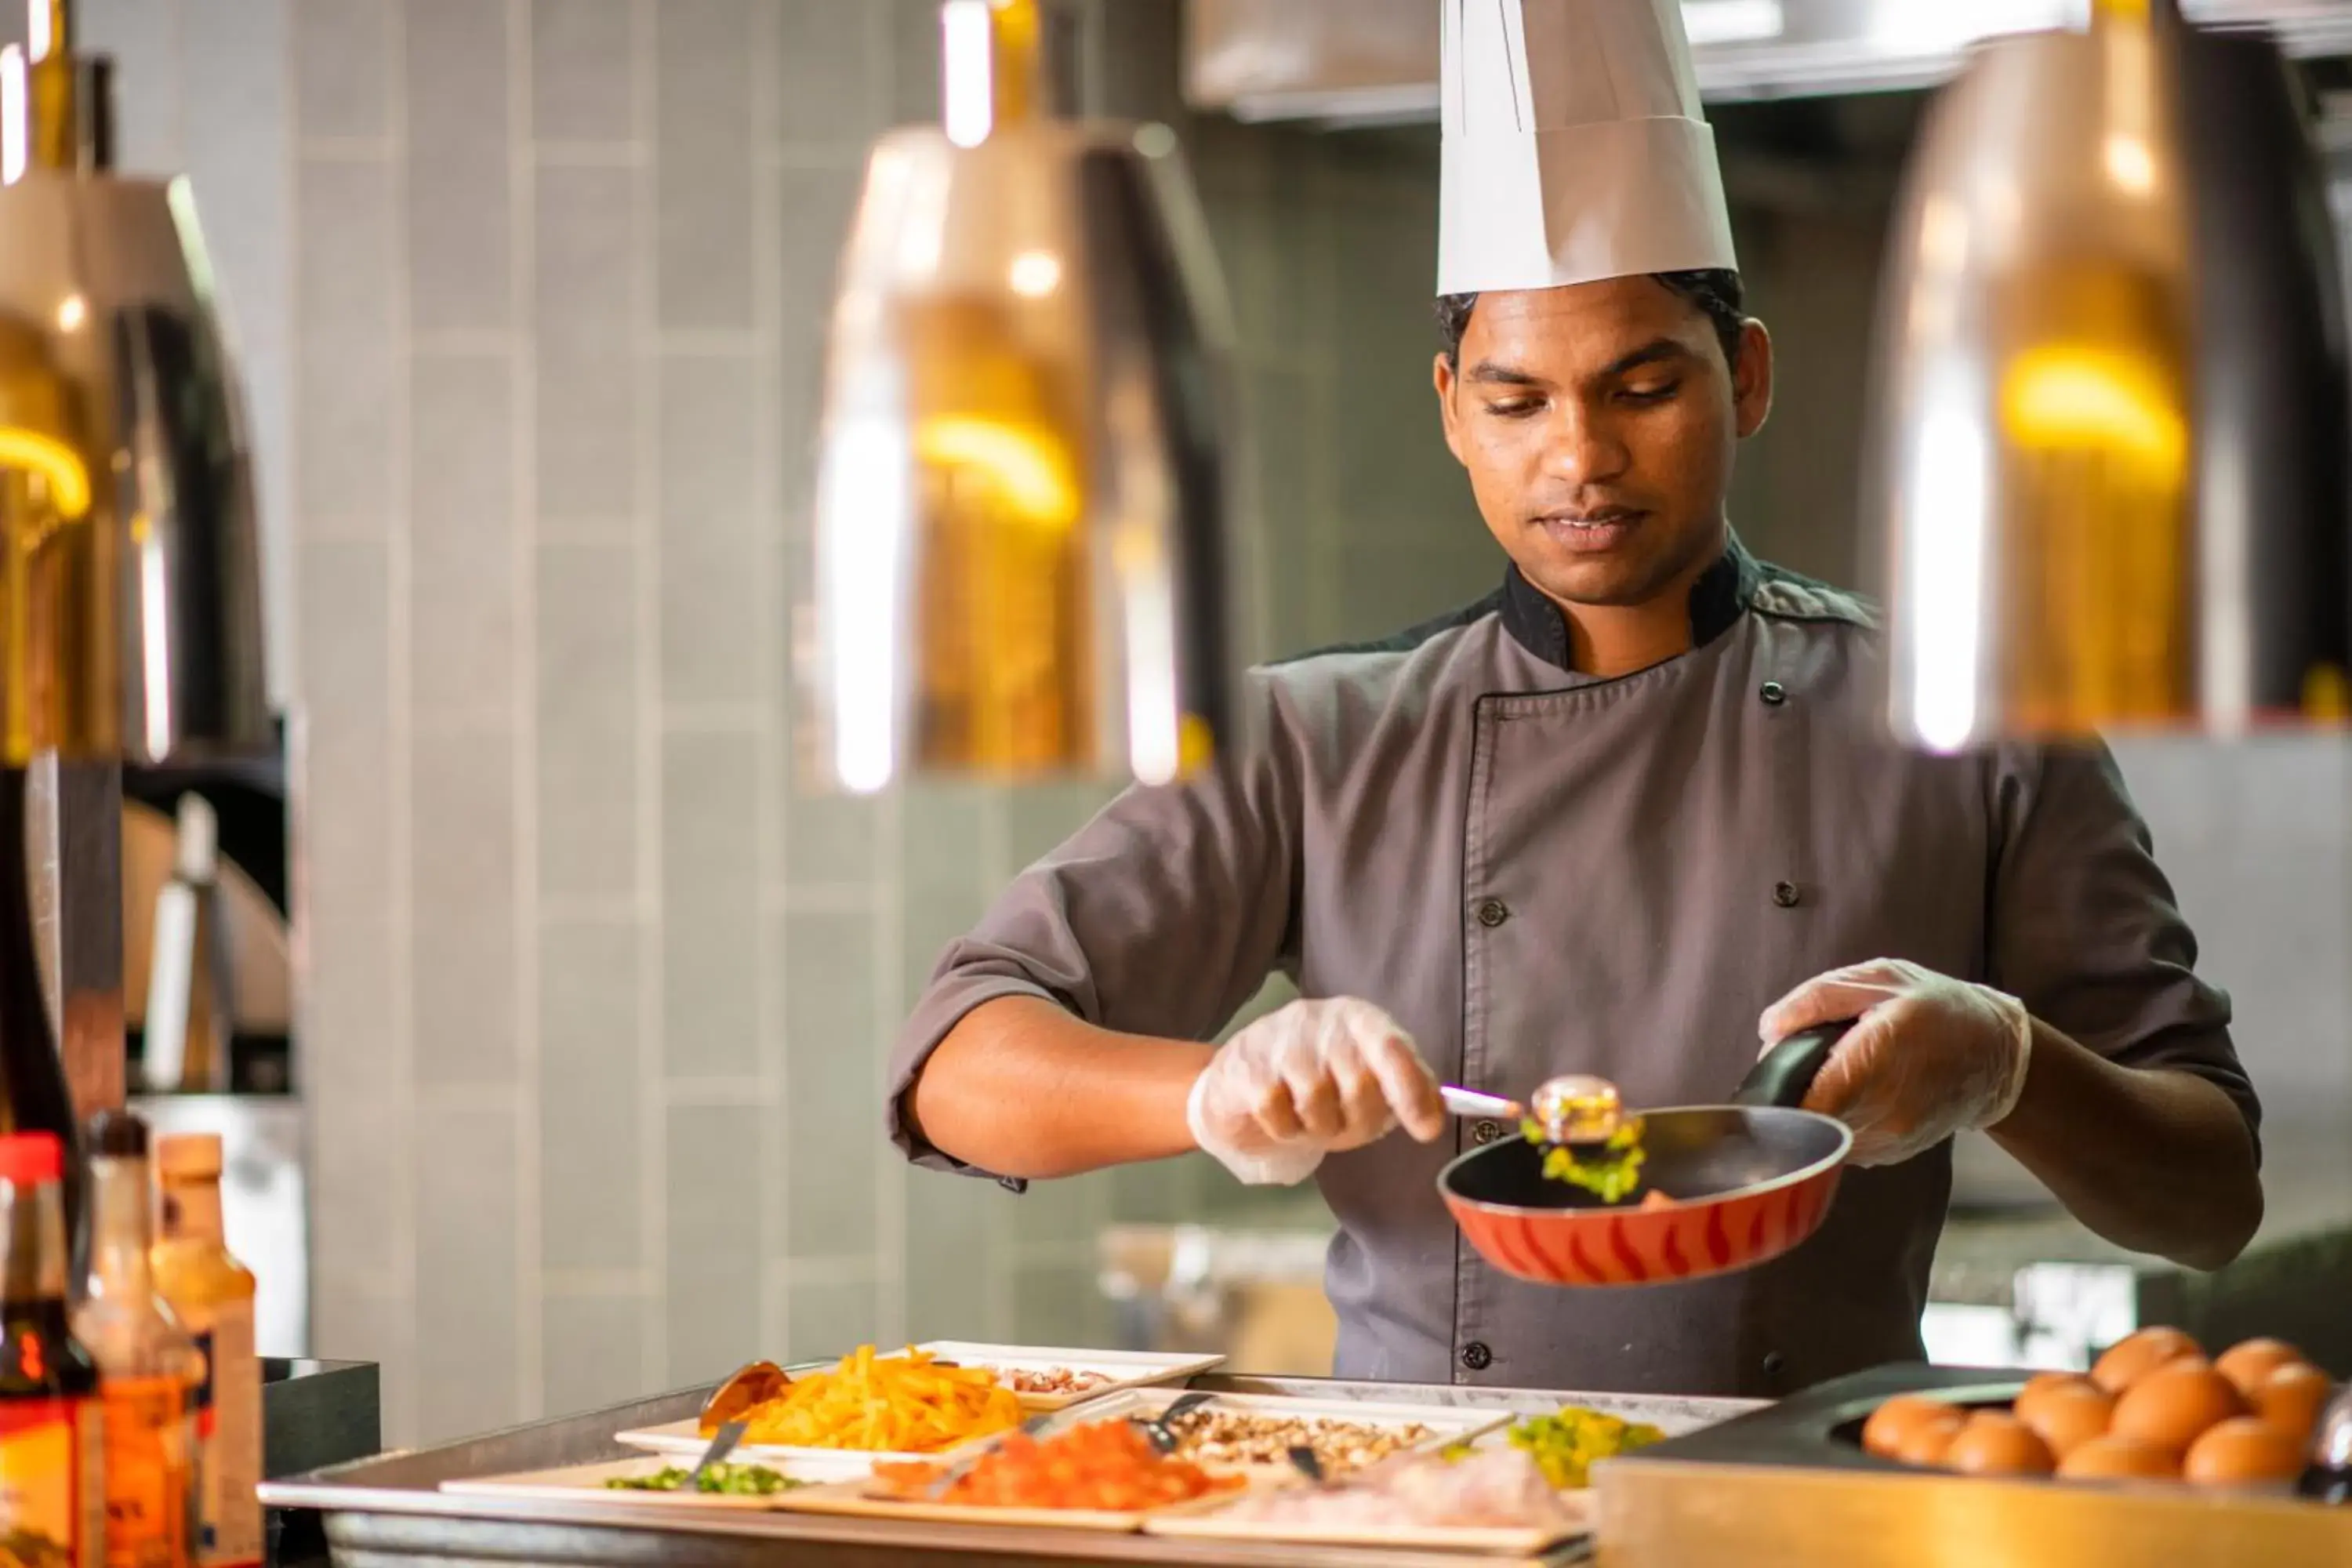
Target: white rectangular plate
(851, 1498)
(683, 1438)
(854, 1499)
(1526, 1542)
(586, 1483)
(1126, 1369)
(1446, 1423)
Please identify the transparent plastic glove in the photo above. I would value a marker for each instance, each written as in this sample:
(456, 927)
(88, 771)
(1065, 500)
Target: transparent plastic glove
(1315, 1078)
(1930, 1056)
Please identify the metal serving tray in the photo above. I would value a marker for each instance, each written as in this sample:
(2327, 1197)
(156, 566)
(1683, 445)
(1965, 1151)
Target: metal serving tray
(386, 1512)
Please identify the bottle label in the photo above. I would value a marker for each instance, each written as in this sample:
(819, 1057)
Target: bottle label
(146, 1472)
(200, 1397)
(228, 1428)
(52, 1504)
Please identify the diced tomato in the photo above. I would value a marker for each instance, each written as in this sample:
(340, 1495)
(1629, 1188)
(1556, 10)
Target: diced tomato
(1101, 1465)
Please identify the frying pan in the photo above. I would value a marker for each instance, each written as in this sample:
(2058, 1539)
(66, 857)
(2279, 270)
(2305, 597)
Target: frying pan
(1749, 1181)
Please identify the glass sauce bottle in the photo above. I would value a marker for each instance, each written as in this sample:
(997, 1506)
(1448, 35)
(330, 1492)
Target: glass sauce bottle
(211, 1293)
(148, 1369)
(52, 1499)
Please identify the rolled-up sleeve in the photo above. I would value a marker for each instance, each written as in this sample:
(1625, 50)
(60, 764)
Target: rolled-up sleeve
(1162, 916)
(2085, 931)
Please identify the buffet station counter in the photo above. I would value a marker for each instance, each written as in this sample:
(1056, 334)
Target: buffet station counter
(1820, 1480)
(397, 1510)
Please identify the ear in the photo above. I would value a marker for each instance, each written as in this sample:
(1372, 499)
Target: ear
(1751, 382)
(1444, 378)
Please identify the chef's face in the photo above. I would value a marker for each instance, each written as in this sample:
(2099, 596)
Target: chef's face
(1598, 424)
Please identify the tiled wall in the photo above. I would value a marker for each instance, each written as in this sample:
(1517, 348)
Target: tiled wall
(595, 1002)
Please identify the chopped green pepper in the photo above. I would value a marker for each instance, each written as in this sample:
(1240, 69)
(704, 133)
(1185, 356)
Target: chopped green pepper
(1613, 1176)
(1566, 1445)
(730, 1480)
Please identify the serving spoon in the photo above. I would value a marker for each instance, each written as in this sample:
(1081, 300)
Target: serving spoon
(1575, 1109)
(1159, 1431)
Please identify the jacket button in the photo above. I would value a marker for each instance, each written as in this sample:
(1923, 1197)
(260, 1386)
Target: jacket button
(1476, 1356)
(1773, 694)
(1486, 1131)
(1773, 1363)
(1786, 895)
(1493, 913)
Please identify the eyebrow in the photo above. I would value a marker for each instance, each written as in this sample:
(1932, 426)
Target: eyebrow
(1487, 373)
(1658, 350)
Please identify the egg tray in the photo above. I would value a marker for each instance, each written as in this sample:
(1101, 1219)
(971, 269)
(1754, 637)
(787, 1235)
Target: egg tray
(1789, 1483)
(1821, 1428)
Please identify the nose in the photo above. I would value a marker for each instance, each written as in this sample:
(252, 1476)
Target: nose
(1583, 447)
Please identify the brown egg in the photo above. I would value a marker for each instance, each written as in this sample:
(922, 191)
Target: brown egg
(2170, 1406)
(2241, 1451)
(1930, 1439)
(2065, 1415)
(1996, 1444)
(2247, 1365)
(2130, 1359)
(2041, 1380)
(2292, 1397)
(1895, 1420)
(2116, 1459)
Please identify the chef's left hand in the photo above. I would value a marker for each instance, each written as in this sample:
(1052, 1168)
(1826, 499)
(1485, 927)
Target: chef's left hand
(1930, 1056)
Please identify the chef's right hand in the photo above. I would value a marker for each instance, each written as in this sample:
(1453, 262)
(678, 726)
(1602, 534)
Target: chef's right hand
(1312, 1079)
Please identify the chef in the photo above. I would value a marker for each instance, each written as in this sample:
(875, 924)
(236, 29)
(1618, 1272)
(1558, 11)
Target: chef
(1635, 813)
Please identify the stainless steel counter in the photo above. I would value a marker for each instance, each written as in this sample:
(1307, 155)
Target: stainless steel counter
(387, 1512)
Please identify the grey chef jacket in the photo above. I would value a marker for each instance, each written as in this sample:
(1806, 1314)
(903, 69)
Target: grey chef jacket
(1535, 872)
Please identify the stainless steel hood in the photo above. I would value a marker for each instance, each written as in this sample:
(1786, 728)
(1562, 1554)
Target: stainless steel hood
(1355, 62)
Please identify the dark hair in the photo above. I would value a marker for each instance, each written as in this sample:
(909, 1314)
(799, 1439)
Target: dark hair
(1716, 291)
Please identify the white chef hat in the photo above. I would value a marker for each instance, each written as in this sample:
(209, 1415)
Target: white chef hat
(1574, 146)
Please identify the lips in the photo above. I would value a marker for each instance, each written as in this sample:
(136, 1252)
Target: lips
(1599, 529)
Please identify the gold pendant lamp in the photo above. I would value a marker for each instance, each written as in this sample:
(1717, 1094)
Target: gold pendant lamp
(2097, 517)
(1024, 478)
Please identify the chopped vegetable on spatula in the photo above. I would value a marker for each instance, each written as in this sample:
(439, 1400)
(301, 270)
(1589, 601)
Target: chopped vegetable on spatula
(1611, 1173)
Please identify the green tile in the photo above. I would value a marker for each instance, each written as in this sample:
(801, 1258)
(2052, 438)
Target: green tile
(714, 1259)
(1071, 1212)
(1161, 1193)
(829, 839)
(1060, 1306)
(955, 1227)
(834, 1048)
(829, 1317)
(592, 1350)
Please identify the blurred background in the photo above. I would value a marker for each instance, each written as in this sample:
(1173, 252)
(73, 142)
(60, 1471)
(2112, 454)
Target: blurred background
(577, 1093)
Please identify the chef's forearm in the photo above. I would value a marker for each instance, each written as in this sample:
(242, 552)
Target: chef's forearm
(1020, 1088)
(2157, 1161)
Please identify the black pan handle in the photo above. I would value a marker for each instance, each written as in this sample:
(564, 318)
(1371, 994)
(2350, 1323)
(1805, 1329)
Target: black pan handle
(1784, 1074)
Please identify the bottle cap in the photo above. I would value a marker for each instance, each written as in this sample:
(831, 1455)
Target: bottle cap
(27, 1159)
(188, 1156)
(118, 1135)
